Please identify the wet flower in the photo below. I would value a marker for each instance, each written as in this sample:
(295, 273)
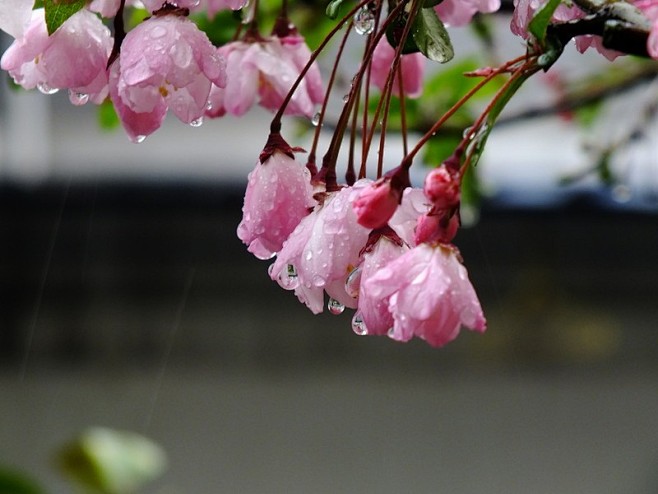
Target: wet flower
(15, 16)
(74, 57)
(377, 203)
(427, 292)
(458, 13)
(279, 195)
(168, 60)
(442, 188)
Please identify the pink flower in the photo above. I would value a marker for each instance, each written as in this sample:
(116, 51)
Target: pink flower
(15, 16)
(412, 66)
(524, 11)
(374, 310)
(167, 60)
(279, 195)
(413, 205)
(265, 71)
(74, 57)
(428, 293)
(106, 8)
(442, 188)
(456, 13)
(376, 204)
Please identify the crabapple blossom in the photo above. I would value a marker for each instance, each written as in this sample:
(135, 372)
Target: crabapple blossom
(442, 188)
(74, 57)
(265, 70)
(428, 294)
(168, 60)
(279, 195)
(403, 222)
(377, 203)
(412, 67)
(458, 13)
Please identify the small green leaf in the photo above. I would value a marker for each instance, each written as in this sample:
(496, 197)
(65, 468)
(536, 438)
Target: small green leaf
(333, 8)
(107, 116)
(58, 11)
(12, 482)
(394, 34)
(539, 22)
(112, 462)
(431, 36)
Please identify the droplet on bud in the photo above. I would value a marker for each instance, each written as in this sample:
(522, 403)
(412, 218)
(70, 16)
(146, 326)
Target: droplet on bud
(358, 326)
(140, 139)
(335, 307)
(77, 98)
(353, 282)
(364, 21)
(197, 122)
(316, 119)
(346, 98)
(46, 89)
(289, 279)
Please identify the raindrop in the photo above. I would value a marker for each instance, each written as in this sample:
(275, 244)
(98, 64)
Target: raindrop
(353, 282)
(46, 89)
(364, 21)
(335, 307)
(358, 326)
(77, 98)
(140, 139)
(158, 32)
(318, 281)
(346, 98)
(622, 193)
(197, 122)
(391, 333)
(289, 279)
(209, 105)
(316, 119)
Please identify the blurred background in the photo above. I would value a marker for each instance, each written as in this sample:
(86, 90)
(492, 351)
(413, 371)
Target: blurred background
(127, 301)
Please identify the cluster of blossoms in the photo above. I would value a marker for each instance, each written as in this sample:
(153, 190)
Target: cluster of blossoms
(164, 63)
(378, 246)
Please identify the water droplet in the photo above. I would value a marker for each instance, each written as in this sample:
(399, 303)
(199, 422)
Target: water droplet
(391, 333)
(46, 89)
(335, 307)
(308, 256)
(289, 279)
(358, 326)
(197, 122)
(353, 282)
(77, 98)
(139, 139)
(364, 21)
(158, 32)
(346, 98)
(622, 193)
(316, 119)
(318, 281)
(209, 105)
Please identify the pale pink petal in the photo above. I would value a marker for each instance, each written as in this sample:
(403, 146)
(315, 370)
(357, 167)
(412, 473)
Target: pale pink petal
(15, 16)
(412, 66)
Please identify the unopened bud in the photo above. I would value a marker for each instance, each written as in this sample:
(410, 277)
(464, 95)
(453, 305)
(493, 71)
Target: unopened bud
(442, 188)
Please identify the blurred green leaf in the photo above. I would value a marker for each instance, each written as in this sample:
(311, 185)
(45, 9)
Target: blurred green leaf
(333, 8)
(12, 482)
(58, 11)
(112, 462)
(107, 116)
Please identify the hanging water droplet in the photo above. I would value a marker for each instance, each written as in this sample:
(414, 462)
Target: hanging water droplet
(358, 326)
(289, 279)
(335, 307)
(391, 333)
(346, 98)
(353, 282)
(364, 21)
(46, 89)
(197, 122)
(209, 105)
(316, 119)
(77, 98)
(140, 139)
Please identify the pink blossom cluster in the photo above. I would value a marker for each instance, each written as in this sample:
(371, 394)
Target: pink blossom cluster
(360, 246)
(165, 63)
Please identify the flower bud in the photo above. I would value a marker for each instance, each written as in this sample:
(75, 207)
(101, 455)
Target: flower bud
(433, 227)
(442, 188)
(376, 204)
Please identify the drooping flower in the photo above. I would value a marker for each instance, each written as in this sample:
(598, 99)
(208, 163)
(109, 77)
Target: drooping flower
(279, 195)
(412, 67)
(376, 204)
(168, 60)
(427, 292)
(441, 187)
(74, 57)
(263, 71)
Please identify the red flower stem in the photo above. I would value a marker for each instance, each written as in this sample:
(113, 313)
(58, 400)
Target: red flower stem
(408, 159)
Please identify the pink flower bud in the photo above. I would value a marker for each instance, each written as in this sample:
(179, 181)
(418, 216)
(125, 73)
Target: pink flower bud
(442, 188)
(433, 227)
(376, 204)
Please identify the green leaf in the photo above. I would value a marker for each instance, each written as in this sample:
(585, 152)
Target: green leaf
(539, 22)
(112, 462)
(431, 37)
(12, 482)
(58, 11)
(107, 116)
(333, 8)
(394, 34)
